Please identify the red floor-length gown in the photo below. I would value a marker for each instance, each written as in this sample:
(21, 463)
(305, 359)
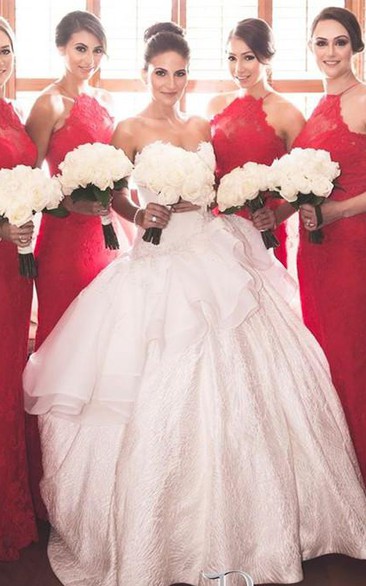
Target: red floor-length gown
(332, 275)
(70, 251)
(241, 133)
(17, 525)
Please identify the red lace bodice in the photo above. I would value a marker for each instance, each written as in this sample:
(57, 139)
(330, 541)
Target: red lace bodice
(332, 275)
(16, 147)
(79, 236)
(327, 130)
(17, 526)
(241, 133)
(88, 121)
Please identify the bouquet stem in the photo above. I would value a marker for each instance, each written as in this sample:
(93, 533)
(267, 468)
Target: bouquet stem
(152, 235)
(317, 236)
(269, 239)
(110, 236)
(27, 265)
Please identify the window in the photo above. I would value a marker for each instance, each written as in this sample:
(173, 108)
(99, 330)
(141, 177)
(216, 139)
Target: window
(207, 22)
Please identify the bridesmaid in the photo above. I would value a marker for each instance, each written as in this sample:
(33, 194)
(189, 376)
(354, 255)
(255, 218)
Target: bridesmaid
(253, 123)
(17, 525)
(70, 251)
(332, 275)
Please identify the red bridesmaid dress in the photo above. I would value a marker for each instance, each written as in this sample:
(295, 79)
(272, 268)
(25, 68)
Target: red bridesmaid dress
(17, 524)
(70, 251)
(332, 274)
(241, 133)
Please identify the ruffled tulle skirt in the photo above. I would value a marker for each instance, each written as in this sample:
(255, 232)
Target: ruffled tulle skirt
(189, 422)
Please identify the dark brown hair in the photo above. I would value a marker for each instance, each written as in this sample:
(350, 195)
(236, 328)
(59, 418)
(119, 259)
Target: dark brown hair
(76, 21)
(258, 35)
(6, 28)
(162, 37)
(347, 19)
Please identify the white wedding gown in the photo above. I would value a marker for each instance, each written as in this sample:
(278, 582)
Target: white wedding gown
(188, 420)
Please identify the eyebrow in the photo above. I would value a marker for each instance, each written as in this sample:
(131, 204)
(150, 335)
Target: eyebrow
(335, 38)
(5, 47)
(244, 53)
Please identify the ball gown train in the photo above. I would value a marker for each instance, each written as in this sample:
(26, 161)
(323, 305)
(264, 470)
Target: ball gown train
(332, 276)
(241, 133)
(17, 525)
(188, 420)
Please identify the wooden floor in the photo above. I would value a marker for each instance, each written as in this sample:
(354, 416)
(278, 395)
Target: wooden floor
(33, 569)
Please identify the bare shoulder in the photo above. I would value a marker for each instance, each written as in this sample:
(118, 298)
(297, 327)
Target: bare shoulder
(49, 106)
(284, 109)
(128, 135)
(198, 122)
(49, 100)
(132, 125)
(219, 103)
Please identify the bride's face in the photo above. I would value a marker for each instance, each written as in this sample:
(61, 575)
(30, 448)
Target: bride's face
(6, 58)
(167, 77)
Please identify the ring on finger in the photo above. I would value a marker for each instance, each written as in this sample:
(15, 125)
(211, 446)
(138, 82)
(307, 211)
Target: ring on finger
(154, 219)
(22, 239)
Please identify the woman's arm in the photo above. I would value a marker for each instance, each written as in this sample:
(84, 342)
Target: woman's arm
(43, 117)
(333, 210)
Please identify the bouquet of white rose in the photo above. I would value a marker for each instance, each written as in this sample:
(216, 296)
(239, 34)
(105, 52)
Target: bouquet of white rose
(25, 191)
(246, 187)
(176, 174)
(90, 172)
(305, 176)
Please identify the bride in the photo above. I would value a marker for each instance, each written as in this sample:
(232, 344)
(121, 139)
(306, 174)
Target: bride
(187, 417)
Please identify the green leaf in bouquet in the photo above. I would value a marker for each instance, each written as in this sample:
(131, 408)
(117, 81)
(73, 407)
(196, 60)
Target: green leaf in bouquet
(232, 210)
(104, 197)
(83, 194)
(59, 212)
(120, 184)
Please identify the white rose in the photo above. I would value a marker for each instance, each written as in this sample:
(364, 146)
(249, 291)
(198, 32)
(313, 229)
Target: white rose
(321, 186)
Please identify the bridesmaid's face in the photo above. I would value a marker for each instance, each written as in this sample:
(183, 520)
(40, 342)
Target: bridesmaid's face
(244, 67)
(6, 58)
(332, 48)
(167, 77)
(82, 54)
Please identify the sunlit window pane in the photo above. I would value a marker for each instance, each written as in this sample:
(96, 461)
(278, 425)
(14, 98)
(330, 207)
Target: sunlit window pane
(208, 25)
(291, 23)
(125, 33)
(35, 27)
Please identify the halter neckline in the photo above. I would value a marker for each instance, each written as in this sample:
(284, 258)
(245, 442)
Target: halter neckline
(346, 90)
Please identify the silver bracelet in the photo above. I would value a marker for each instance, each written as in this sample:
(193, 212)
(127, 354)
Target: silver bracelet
(135, 215)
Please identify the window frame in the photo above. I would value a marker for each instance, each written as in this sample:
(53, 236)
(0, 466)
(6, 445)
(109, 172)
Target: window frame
(178, 14)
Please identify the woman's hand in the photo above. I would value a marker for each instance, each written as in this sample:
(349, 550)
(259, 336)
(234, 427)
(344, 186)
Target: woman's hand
(331, 212)
(89, 208)
(21, 236)
(264, 219)
(184, 206)
(153, 216)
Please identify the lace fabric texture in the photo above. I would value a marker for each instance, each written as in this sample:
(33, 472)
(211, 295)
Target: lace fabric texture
(70, 251)
(332, 283)
(17, 526)
(241, 133)
(197, 418)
